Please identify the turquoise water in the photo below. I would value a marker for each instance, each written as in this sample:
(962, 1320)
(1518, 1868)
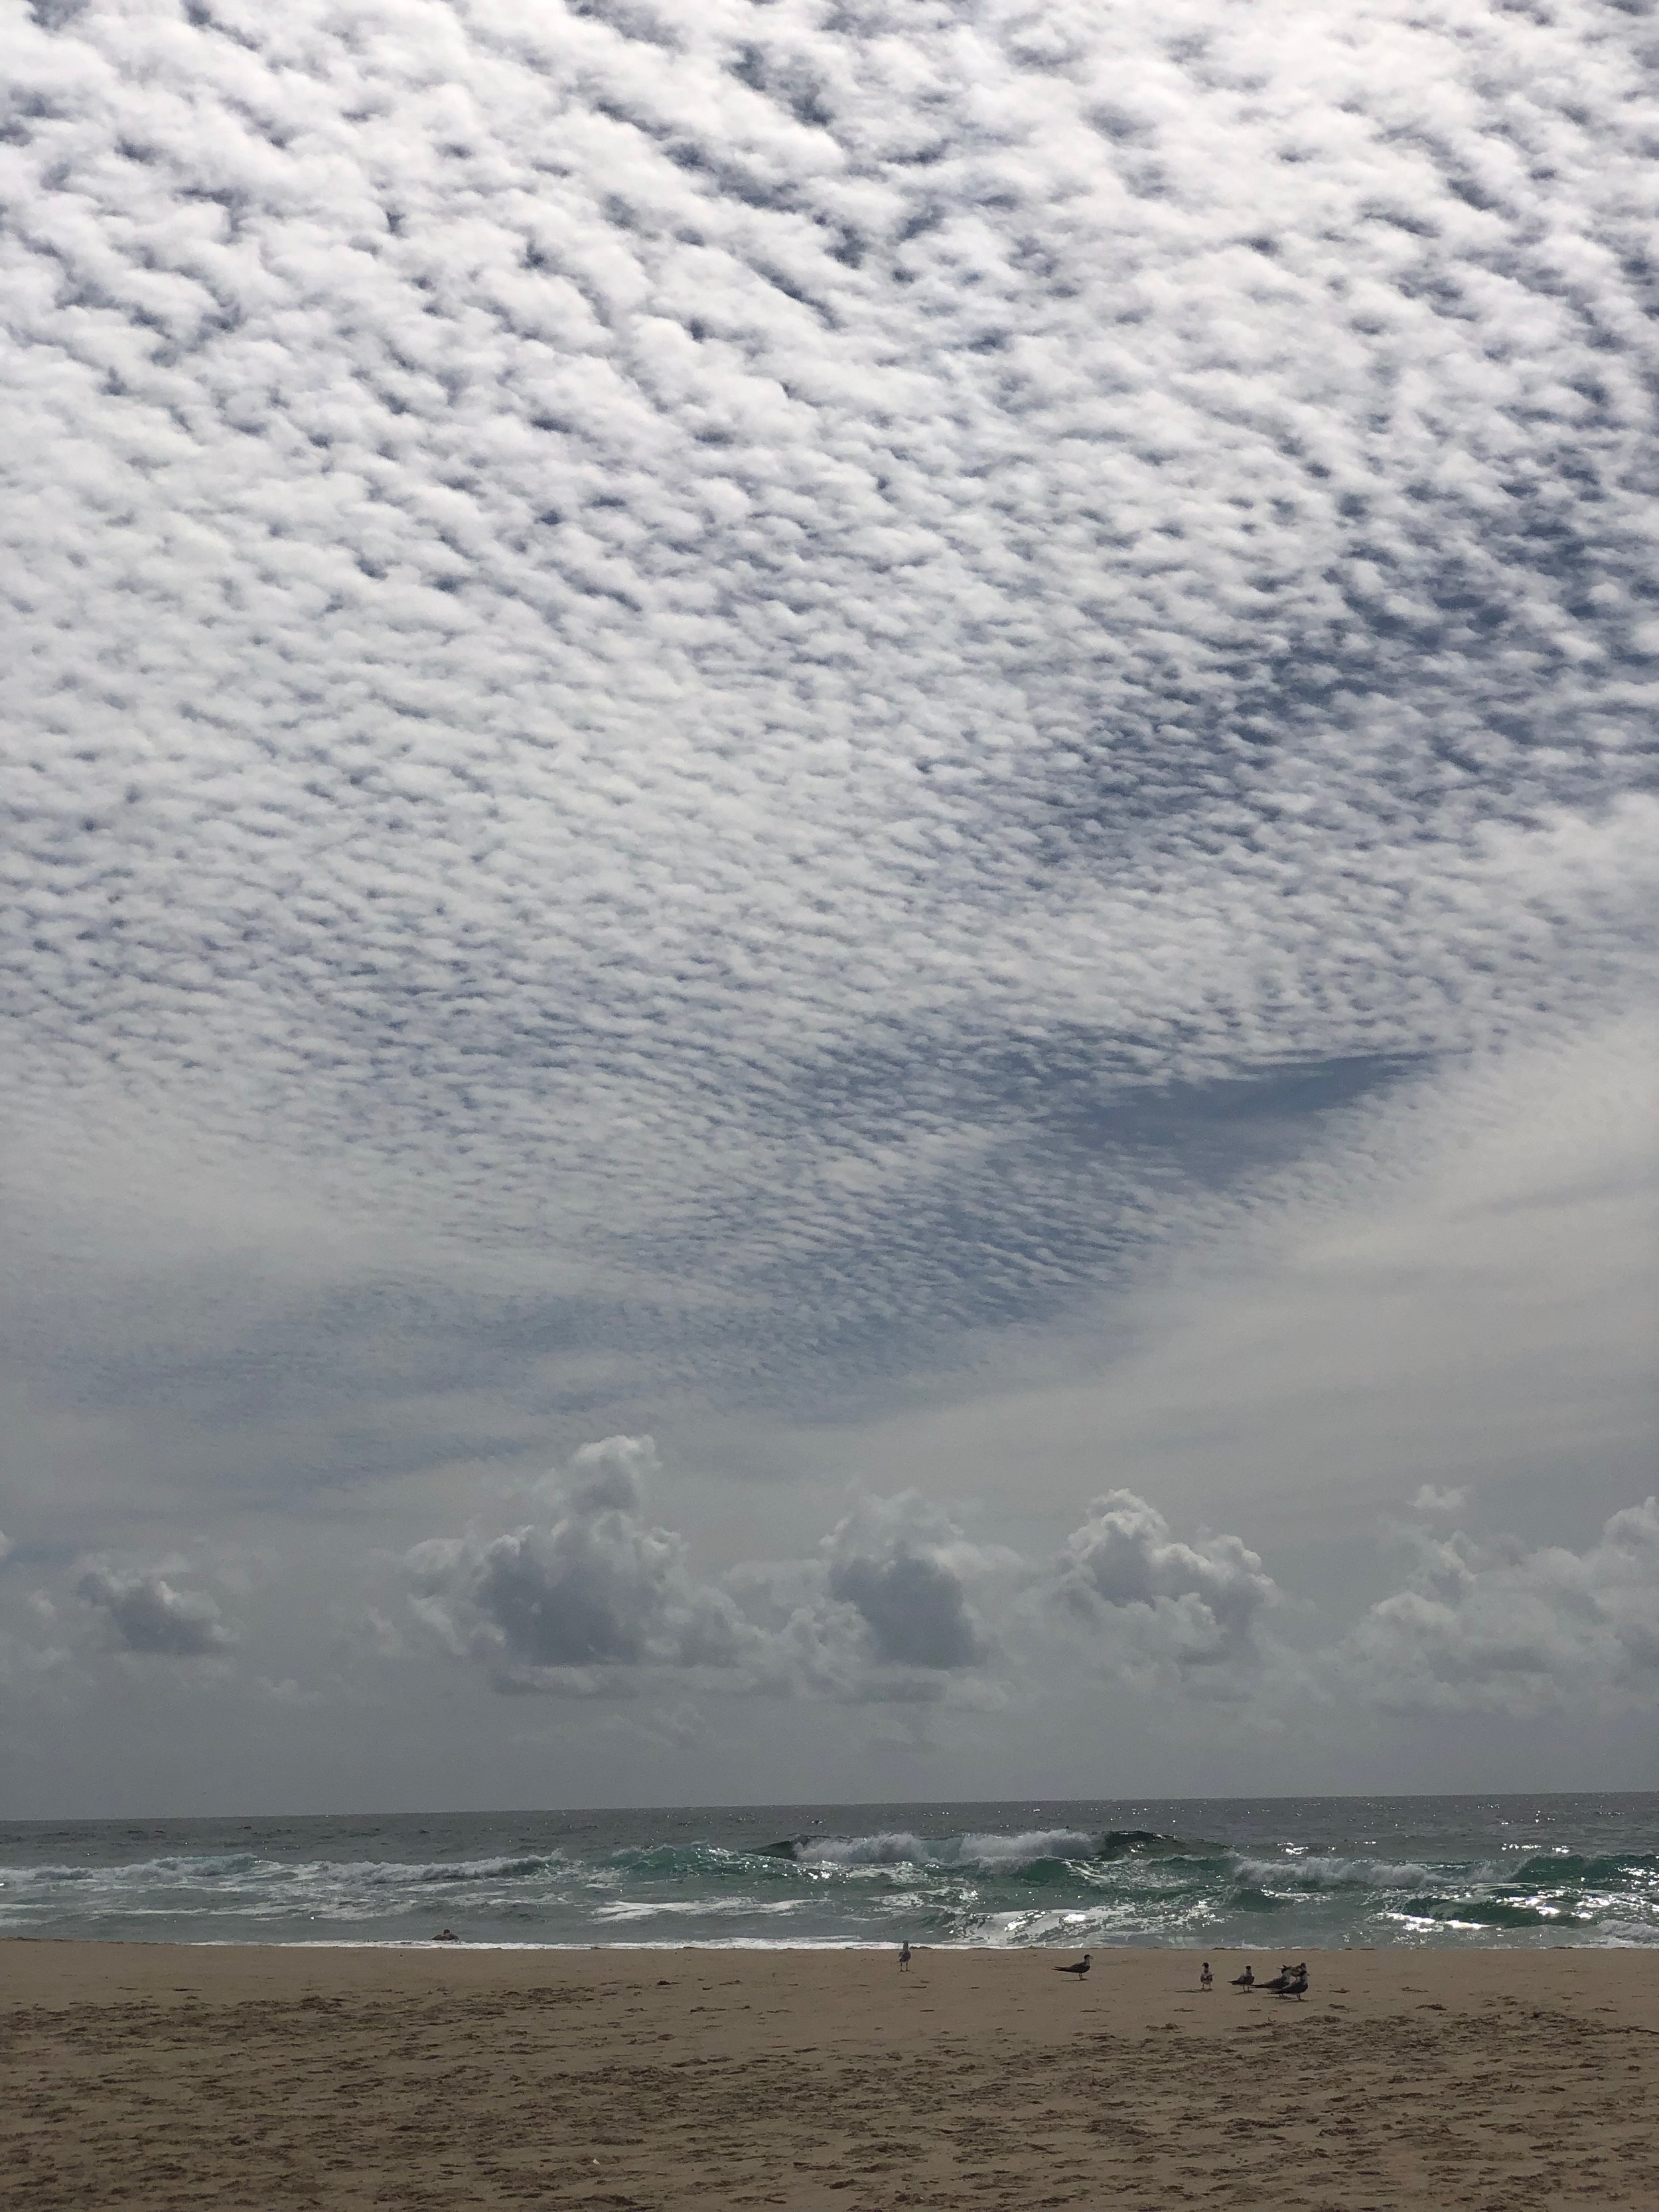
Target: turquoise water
(1241, 1873)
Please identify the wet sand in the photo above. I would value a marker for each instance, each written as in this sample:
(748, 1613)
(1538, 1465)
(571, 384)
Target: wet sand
(139, 2074)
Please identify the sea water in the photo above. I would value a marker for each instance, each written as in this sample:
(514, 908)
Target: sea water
(1258, 1874)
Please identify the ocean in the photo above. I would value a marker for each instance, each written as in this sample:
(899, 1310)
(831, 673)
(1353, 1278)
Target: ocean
(1246, 1873)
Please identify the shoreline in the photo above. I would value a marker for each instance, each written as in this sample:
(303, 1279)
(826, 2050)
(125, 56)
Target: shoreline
(1492, 1966)
(348, 2077)
(744, 1946)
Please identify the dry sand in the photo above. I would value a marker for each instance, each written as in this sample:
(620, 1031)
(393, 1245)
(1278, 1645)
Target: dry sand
(159, 2076)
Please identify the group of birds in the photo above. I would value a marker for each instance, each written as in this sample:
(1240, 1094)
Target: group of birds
(1288, 1982)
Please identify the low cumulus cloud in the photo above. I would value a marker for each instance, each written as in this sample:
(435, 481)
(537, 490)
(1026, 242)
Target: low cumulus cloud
(897, 1605)
(1429, 1499)
(1496, 1626)
(148, 1612)
(889, 1611)
(1155, 1602)
(602, 1597)
(902, 1566)
(573, 1604)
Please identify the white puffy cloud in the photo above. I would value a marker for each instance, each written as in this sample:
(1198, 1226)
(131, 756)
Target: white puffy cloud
(894, 1605)
(1498, 1626)
(1429, 1499)
(603, 1596)
(1163, 1604)
(889, 1611)
(147, 1613)
(571, 1605)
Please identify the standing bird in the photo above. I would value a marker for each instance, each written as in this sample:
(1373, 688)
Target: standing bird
(1080, 1969)
(1246, 1979)
(905, 1956)
(1206, 1978)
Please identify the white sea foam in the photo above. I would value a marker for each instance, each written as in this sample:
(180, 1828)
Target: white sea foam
(989, 1849)
(1036, 1843)
(697, 1908)
(1308, 1873)
(884, 1850)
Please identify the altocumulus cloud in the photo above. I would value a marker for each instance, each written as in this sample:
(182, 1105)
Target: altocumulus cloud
(702, 699)
(709, 637)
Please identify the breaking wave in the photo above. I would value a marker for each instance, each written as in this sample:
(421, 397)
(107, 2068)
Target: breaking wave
(1250, 1874)
(1328, 1874)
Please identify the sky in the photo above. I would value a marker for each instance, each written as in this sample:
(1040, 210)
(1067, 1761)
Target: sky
(829, 902)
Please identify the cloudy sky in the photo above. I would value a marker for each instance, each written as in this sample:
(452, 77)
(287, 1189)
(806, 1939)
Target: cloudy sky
(830, 876)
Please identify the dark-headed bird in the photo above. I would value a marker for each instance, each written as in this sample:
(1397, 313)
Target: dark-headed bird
(1080, 1969)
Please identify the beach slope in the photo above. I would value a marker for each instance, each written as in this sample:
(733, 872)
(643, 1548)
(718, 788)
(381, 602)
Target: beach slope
(155, 2076)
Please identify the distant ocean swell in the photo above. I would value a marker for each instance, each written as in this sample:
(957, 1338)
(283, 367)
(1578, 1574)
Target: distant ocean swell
(608, 1879)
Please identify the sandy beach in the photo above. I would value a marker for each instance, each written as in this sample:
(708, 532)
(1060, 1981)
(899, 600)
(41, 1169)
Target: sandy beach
(161, 2075)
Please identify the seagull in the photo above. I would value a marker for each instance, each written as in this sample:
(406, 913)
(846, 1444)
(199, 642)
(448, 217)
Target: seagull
(1080, 1969)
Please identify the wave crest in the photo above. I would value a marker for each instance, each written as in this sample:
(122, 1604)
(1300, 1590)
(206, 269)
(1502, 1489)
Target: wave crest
(1289, 1875)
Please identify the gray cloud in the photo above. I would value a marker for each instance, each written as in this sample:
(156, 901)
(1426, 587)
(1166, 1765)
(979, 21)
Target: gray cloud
(895, 1605)
(147, 1613)
(601, 1597)
(1501, 1627)
(1188, 1606)
(562, 1607)
(891, 1610)
(898, 1565)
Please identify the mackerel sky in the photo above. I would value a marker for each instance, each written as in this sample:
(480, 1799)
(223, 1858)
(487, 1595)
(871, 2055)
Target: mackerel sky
(830, 870)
